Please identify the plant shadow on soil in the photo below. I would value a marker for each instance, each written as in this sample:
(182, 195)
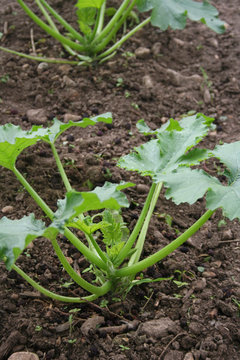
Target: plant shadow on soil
(203, 314)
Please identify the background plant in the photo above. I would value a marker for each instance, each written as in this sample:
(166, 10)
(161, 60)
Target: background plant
(102, 30)
(114, 253)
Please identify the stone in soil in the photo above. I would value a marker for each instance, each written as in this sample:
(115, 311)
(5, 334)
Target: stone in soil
(37, 116)
(23, 355)
(157, 328)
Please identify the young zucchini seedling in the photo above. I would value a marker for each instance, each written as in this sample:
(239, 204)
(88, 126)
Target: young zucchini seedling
(114, 256)
(96, 41)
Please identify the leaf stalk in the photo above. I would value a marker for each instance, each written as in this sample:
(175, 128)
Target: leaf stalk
(153, 259)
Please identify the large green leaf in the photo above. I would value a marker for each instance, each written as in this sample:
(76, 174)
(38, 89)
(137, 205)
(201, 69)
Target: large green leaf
(174, 13)
(15, 236)
(186, 185)
(13, 140)
(109, 196)
(171, 149)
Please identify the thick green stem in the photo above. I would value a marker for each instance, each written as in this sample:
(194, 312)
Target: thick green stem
(52, 25)
(62, 39)
(112, 22)
(78, 279)
(102, 45)
(46, 15)
(85, 251)
(40, 58)
(95, 245)
(100, 20)
(45, 208)
(153, 259)
(61, 169)
(54, 296)
(123, 39)
(127, 247)
(71, 237)
(139, 245)
(63, 22)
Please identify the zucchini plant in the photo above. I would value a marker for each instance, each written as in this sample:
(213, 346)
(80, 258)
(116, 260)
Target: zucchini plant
(171, 159)
(102, 30)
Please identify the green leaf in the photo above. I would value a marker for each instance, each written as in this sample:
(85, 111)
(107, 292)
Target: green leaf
(173, 125)
(174, 13)
(146, 280)
(13, 140)
(229, 154)
(86, 18)
(227, 197)
(84, 226)
(114, 250)
(110, 11)
(81, 4)
(76, 203)
(115, 233)
(52, 133)
(144, 128)
(186, 185)
(15, 236)
(171, 149)
(114, 229)
(195, 156)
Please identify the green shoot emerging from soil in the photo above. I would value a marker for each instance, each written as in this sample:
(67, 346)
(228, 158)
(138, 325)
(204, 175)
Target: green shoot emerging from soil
(112, 252)
(102, 30)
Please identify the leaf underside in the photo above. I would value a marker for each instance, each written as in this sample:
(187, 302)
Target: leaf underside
(15, 236)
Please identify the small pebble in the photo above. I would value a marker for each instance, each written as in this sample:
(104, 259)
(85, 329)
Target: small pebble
(69, 82)
(227, 235)
(47, 274)
(156, 48)
(91, 324)
(42, 67)
(213, 42)
(142, 189)
(173, 355)
(213, 313)
(23, 355)
(177, 79)
(67, 117)
(7, 209)
(37, 116)
(199, 285)
(188, 356)
(142, 52)
(65, 69)
(179, 42)
(209, 274)
(14, 296)
(207, 96)
(147, 82)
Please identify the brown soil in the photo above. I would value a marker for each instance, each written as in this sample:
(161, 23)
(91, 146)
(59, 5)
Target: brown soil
(203, 316)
